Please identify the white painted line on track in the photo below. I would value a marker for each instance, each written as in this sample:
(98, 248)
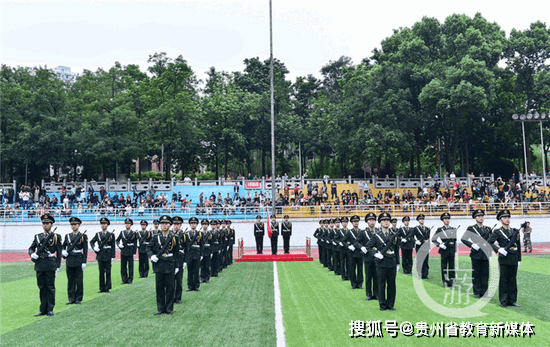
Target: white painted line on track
(279, 326)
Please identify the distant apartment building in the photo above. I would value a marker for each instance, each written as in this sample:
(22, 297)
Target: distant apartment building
(64, 73)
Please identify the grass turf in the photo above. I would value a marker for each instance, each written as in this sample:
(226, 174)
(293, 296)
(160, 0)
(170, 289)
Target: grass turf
(318, 307)
(235, 309)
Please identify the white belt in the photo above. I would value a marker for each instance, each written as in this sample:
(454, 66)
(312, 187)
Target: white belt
(145, 243)
(390, 252)
(76, 251)
(51, 255)
(206, 245)
(129, 244)
(181, 251)
(216, 243)
(513, 248)
(451, 243)
(168, 255)
(106, 246)
(195, 245)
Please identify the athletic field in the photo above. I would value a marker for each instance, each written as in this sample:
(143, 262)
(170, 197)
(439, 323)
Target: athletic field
(243, 307)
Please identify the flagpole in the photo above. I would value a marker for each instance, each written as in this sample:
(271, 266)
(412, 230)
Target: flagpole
(273, 185)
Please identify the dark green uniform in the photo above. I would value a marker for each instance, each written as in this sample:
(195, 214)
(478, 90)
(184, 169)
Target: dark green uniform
(75, 259)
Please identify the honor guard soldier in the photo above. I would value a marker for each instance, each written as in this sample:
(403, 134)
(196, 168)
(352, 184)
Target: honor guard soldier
(475, 237)
(336, 248)
(156, 226)
(406, 243)
(356, 255)
(164, 254)
(45, 252)
(193, 255)
(422, 235)
(320, 244)
(387, 262)
(145, 237)
(75, 251)
(275, 234)
(179, 234)
(231, 241)
(509, 259)
(259, 232)
(127, 242)
(103, 244)
(223, 245)
(344, 251)
(393, 227)
(371, 279)
(445, 239)
(286, 230)
(215, 245)
(206, 251)
(327, 236)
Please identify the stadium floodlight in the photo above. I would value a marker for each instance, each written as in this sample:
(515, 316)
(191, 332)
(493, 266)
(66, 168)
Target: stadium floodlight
(515, 116)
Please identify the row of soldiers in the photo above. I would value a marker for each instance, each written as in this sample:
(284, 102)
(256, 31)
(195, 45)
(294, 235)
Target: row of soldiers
(346, 251)
(205, 252)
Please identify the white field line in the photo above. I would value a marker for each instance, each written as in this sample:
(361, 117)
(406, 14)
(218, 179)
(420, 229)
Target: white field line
(279, 327)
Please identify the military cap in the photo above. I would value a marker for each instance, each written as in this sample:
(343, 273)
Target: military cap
(286, 216)
(420, 216)
(193, 220)
(273, 216)
(205, 222)
(478, 212)
(229, 221)
(165, 219)
(383, 216)
(258, 217)
(73, 220)
(393, 220)
(336, 220)
(355, 218)
(214, 222)
(445, 215)
(370, 215)
(406, 219)
(144, 222)
(344, 219)
(321, 221)
(47, 218)
(156, 221)
(129, 221)
(503, 213)
(177, 219)
(104, 220)
(331, 220)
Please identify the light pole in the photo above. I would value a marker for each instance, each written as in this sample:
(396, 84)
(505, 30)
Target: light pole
(533, 117)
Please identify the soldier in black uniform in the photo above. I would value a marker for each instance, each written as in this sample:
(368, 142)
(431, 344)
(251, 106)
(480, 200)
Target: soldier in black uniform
(422, 235)
(206, 251)
(231, 241)
(259, 232)
(371, 279)
(387, 262)
(75, 261)
(275, 234)
(127, 242)
(327, 236)
(356, 256)
(145, 237)
(215, 245)
(45, 252)
(393, 227)
(336, 239)
(193, 243)
(177, 223)
(156, 225)
(164, 253)
(344, 251)
(509, 259)
(445, 239)
(104, 254)
(286, 231)
(406, 243)
(320, 244)
(222, 238)
(475, 236)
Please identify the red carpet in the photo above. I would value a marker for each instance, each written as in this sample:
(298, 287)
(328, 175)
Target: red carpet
(253, 257)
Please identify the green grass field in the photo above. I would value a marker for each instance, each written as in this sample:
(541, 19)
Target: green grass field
(237, 309)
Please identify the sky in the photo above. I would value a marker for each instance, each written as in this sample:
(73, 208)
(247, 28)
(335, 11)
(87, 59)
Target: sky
(306, 34)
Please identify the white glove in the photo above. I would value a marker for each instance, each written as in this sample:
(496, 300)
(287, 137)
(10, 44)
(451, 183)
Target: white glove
(519, 264)
(96, 249)
(341, 244)
(121, 246)
(439, 240)
(404, 240)
(176, 271)
(379, 256)
(351, 248)
(475, 246)
(503, 251)
(56, 271)
(228, 248)
(83, 266)
(154, 258)
(210, 256)
(65, 254)
(184, 265)
(112, 259)
(442, 246)
(364, 249)
(34, 256)
(134, 256)
(418, 242)
(201, 258)
(397, 268)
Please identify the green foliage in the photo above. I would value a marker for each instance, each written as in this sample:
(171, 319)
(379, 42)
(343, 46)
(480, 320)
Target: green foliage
(206, 176)
(146, 175)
